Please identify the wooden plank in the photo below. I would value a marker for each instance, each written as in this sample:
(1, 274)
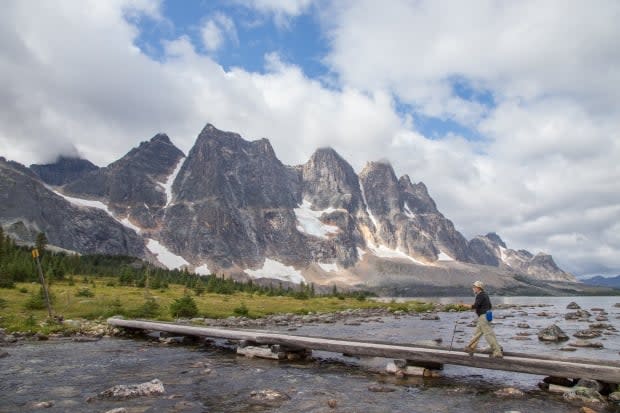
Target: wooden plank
(592, 369)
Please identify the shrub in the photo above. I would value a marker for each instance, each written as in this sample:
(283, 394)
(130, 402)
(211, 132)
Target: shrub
(84, 292)
(184, 307)
(149, 309)
(37, 300)
(6, 283)
(241, 310)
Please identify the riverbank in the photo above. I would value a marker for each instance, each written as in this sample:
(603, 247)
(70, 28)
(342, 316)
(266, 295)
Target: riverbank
(80, 308)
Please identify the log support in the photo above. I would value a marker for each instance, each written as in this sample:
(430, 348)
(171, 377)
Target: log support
(273, 352)
(411, 368)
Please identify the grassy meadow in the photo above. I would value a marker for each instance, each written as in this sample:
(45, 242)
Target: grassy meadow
(22, 308)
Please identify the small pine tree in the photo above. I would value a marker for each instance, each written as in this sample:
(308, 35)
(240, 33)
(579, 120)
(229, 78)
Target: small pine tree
(41, 242)
(184, 307)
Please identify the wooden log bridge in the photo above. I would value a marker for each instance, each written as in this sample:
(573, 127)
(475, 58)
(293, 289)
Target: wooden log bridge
(602, 370)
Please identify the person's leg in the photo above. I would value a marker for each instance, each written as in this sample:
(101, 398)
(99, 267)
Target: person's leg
(489, 336)
(473, 343)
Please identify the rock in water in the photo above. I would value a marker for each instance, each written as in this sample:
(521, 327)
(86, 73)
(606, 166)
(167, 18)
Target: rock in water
(128, 391)
(552, 333)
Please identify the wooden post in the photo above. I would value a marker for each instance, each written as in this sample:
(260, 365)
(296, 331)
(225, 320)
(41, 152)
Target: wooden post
(35, 255)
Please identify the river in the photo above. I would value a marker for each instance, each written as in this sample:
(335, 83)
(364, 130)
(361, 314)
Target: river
(202, 378)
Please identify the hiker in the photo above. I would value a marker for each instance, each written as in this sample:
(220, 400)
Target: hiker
(483, 327)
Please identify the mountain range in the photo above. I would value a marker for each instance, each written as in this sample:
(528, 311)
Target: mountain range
(231, 207)
(612, 282)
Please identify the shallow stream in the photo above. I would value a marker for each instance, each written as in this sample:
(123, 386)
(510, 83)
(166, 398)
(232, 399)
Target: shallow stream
(202, 378)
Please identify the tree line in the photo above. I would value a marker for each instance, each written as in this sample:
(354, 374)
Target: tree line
(17, 265)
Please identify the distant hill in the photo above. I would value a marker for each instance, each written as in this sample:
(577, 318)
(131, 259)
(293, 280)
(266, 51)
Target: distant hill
(613, 282)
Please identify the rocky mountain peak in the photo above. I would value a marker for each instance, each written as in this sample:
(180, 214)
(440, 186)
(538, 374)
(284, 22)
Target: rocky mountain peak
(63, 170)
(381, 188)
(211, 136)
(156, 157)
(227, 168)
(416, 197)
(161, 138)
(329, 181)
(133, 186)
(495, 239)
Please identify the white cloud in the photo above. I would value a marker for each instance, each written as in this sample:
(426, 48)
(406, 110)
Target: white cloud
(544, 173)
(216, 30)
(281, 10)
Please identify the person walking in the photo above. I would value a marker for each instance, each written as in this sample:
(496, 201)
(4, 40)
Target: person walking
(481, 305)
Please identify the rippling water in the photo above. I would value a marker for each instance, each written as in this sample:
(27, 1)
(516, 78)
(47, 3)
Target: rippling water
(212, 379)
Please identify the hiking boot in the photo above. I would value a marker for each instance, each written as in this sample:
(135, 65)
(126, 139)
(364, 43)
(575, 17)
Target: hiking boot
(468, 350)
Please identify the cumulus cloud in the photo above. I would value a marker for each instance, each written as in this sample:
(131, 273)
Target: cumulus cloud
(543, 82)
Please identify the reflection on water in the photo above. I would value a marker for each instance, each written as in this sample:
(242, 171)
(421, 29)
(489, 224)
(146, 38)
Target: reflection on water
(201, 379)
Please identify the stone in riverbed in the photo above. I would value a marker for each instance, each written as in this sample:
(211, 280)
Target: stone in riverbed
(586, 344)
(127, 391)
(552, 333)
(42, 405)
(509, 392)
(587, 334)
(379, 388)
(584, 394)
(578, 315)
(573, 306)
(268, 397)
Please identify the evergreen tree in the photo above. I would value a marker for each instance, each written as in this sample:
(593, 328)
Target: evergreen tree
(41, 242)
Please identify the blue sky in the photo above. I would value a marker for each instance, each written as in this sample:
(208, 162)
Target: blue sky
(509, 112)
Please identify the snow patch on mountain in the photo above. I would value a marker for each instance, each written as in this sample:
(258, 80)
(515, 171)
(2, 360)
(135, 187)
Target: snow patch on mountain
(277, 270)
(168, 184)
(408, 211)
(202, 270)
(165, 256)
(328, 267)
(89, 203)
(386, 252)
(444, 257)
(372, 217)
(310, 221)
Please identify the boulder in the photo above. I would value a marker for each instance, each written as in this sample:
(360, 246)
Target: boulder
(578, 315)
(552, 333)
(268, 397)
(509, 392)
(586, 344)
(583, 394)
(122, 391)
(587, 334)
(573, 306)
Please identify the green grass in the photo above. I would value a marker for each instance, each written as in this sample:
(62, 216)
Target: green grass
(105, 299)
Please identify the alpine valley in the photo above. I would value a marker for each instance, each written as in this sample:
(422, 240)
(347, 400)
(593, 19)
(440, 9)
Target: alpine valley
(230, 207)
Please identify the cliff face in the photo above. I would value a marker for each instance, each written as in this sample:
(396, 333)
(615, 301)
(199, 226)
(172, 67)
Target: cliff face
(64, 170)
(134, 187)
(232, 207)
(27, 207)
